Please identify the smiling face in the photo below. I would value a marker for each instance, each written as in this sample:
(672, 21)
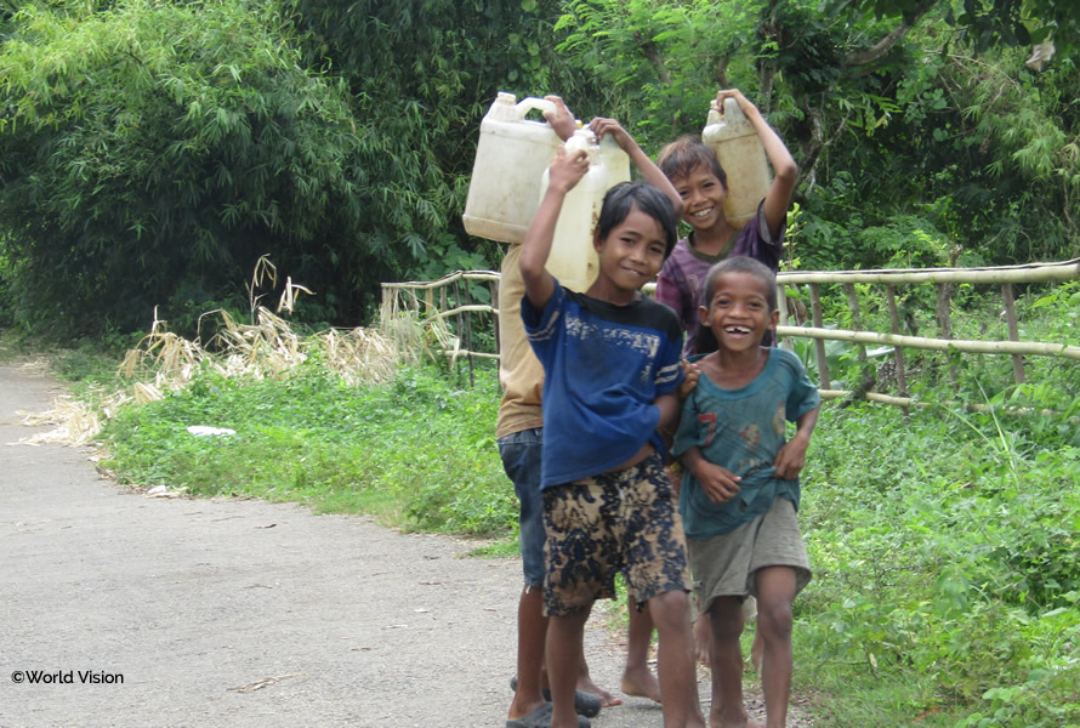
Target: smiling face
(633, 252)
(738, 313)
(703, 197)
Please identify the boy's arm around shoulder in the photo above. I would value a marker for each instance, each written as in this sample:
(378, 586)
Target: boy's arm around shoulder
(564, 173)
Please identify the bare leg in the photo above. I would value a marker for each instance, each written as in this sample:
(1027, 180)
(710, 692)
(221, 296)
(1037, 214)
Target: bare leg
(532, 631)
(678, 680)
(757, 651)
(637, 679)
(585, 682)
(703, 639)
(586, 685)
(728, 710)
(776, 592)
(564, 648)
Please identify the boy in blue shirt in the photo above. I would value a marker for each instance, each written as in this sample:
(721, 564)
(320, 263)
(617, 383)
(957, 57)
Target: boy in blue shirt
(611, 360)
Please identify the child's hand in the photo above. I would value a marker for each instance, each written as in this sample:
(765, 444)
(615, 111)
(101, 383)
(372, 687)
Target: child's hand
(791, 458)
(733, 93)
(601, 126)
(562, 121)
(693, 373)
(720, 484)
(567, 170)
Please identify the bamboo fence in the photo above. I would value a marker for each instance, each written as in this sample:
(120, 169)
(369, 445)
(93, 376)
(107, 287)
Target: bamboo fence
(456, 304)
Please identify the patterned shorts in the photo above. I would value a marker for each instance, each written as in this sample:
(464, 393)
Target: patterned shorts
(625, 521)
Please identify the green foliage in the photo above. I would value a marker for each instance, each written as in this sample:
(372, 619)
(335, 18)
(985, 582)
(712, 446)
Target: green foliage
(894, 110)
(422, 73)
(418, 452)
(154, 147)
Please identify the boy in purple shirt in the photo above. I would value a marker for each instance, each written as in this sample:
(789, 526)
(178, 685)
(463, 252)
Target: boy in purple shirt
(702, 184)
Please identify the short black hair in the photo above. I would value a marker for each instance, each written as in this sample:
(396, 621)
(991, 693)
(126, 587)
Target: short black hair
(687, 153)
(705, 342)
(743, 264)
(621, 198)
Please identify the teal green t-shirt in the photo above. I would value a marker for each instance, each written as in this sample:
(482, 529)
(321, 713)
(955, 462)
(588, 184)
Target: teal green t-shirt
(742, 430)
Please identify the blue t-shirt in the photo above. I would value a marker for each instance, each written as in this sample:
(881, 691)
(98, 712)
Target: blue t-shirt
(742, 430)
(604, 366)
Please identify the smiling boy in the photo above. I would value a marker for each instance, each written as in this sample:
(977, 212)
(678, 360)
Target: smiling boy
(611, 360)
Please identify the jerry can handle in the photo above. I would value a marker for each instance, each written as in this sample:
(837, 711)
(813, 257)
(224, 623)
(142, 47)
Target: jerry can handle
(531, 102)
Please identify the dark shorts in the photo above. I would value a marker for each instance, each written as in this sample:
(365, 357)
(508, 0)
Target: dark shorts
(624, 521)
(521, 454)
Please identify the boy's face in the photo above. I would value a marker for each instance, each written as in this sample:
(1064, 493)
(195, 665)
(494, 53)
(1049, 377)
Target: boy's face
(738, 313)
(633, 252)
(703, 197)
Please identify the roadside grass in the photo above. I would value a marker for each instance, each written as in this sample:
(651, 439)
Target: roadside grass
(945, 542)
(417, 453)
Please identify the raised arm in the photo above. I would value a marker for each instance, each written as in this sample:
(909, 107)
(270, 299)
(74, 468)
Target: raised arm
(564, 173)
(561, 120)
(778, 198)
(641, 160)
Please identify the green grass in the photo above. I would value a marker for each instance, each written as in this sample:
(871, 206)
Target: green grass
(418, 453)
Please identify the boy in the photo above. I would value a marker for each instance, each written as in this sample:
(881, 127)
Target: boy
(740, 489)
(702, 184)
(519, 433)
(612, 365)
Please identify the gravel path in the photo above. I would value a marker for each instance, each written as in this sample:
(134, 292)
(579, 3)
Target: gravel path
(166, 612)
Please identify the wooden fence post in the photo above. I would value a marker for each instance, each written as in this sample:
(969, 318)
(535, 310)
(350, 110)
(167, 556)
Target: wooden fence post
(781, 301)
(944, 301)
(819, 345)
(468, 336)
(1014, 330)
(856, 317)
(494, 287)
(898, 352)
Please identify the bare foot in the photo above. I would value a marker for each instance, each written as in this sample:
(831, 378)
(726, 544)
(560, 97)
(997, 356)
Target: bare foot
(744, 722)
(640, 682)
(607, 700)
(757, 653)
(702, 639)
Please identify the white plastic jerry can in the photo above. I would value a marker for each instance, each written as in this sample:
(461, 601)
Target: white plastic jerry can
(616, 161)
(573, 260)
(741, 154)
(511, 157)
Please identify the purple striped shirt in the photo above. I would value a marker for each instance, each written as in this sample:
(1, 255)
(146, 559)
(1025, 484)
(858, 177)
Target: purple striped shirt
(681, 282)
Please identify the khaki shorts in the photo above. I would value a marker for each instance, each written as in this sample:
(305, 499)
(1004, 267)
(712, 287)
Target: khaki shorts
(624, 521)
(725, 565)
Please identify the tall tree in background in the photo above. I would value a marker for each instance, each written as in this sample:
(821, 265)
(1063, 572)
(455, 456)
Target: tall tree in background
(906, 115)
(150, 153)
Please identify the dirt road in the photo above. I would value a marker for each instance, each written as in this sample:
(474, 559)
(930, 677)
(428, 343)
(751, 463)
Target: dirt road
(155, 612)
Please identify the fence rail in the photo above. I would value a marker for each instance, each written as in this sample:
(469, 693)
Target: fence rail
(419, 297)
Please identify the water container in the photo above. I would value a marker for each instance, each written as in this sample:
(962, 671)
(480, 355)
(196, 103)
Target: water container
(573, 258)
(511, 157)
(742, 156)
(616, 161)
